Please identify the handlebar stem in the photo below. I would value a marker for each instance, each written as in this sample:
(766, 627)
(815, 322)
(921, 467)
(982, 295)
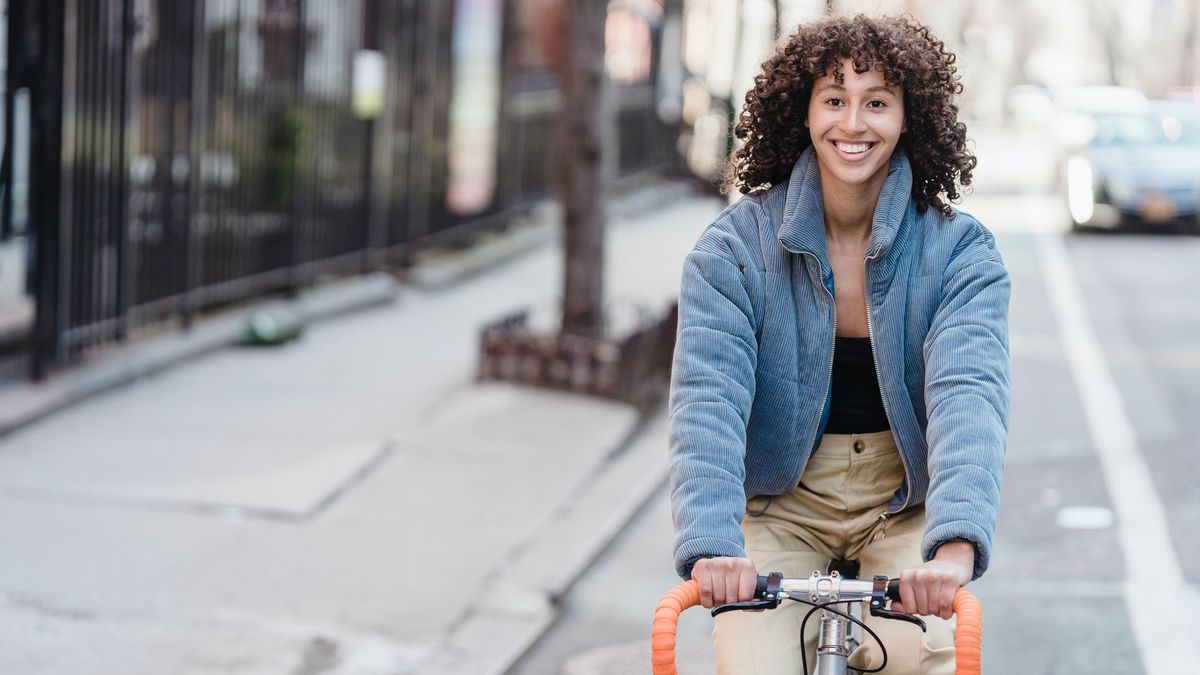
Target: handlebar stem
(821, 588)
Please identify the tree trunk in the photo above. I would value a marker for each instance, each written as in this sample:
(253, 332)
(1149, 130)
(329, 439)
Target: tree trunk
(582, 145)
(1188, 73)
(1107, 24)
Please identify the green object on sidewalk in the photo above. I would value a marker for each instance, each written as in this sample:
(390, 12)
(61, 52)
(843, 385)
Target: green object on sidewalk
(272, 327)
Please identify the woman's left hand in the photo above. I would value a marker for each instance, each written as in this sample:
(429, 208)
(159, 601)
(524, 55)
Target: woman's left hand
(929, 588)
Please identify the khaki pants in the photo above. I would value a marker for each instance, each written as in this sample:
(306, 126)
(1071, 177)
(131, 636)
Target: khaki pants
(833, 513)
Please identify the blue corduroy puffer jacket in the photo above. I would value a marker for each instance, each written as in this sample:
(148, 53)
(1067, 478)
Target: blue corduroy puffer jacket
(751, 377)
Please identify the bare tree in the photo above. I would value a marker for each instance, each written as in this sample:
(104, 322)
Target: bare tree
(1105, 17)
(1188, 71)
(582, 144)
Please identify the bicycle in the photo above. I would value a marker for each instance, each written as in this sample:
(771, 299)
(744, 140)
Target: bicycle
(840, 632)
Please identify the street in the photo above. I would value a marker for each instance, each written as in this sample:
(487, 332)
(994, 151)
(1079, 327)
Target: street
(1053, 597)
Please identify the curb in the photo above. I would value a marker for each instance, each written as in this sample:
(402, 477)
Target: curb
(529, 586)
(437, 268)
(440, 267)
(692, 655)
(28, 402)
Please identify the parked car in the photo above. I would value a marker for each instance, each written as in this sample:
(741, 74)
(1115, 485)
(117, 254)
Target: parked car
(1061, 116)
(1137, 168)
(1076, 109)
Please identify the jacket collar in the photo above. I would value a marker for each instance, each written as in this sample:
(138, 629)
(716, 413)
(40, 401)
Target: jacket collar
(803, 226)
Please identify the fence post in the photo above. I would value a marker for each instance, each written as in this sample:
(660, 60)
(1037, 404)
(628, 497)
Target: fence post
(297, 275)
(46, 99)
(121, 184)
(13, 77)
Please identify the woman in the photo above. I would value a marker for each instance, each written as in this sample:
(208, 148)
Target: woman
(841, 378)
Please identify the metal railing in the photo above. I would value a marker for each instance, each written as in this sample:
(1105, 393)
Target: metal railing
(187, 154)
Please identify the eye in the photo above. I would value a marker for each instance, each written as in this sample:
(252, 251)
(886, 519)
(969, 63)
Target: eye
(834, 101)
(881, 104)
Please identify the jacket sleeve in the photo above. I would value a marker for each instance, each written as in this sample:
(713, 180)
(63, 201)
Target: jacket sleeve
(712, 387)
(967, 372)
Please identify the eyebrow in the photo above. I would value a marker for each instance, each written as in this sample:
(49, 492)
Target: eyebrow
(878, 87)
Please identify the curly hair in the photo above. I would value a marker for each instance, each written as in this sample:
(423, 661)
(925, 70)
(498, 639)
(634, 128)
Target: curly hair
(771, 123)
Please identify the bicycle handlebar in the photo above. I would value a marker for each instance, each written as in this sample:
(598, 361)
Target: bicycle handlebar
(817, 589)
(827, 588)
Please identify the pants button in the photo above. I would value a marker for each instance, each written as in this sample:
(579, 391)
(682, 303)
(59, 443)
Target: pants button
(859, 445)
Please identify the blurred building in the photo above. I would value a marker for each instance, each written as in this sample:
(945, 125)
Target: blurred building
(176, 155)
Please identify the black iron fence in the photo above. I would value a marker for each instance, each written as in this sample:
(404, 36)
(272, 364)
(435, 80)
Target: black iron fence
(190, 153)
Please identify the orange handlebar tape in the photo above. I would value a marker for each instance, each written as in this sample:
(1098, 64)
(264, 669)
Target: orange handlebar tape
(666, 620)
(968, 634)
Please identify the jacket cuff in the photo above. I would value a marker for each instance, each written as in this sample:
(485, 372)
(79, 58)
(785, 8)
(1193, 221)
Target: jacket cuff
(963, 530)
(689, 552)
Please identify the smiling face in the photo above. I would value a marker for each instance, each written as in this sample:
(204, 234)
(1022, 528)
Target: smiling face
(855, 126)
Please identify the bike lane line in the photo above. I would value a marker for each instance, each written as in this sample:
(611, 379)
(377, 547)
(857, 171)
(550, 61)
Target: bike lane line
(1156, 594)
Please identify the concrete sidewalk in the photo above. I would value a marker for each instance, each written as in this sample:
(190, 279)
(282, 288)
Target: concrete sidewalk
(348, 503)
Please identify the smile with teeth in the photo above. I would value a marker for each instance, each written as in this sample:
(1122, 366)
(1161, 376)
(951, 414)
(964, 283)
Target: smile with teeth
(853, 148)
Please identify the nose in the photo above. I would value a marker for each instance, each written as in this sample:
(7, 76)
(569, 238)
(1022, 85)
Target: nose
(852, 123)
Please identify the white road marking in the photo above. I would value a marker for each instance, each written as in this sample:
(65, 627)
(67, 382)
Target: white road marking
(1084, 518)
(1160, 602)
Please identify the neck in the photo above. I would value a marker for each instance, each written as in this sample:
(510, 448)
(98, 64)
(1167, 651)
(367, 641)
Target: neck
(849, 209)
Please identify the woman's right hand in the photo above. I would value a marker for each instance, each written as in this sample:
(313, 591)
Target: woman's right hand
(724, 580)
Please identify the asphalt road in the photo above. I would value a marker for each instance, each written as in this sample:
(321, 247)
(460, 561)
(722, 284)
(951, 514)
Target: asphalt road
(1054, 598)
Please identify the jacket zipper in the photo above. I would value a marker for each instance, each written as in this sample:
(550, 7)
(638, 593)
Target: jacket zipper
(882, 397)
(829, 376)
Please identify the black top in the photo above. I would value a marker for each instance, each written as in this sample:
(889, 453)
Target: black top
(856, 406)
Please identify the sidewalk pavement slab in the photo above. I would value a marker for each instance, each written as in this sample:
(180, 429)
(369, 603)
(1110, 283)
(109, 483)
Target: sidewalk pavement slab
(525, 591)
(393, 572)
(333, 505)
(27, 402)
